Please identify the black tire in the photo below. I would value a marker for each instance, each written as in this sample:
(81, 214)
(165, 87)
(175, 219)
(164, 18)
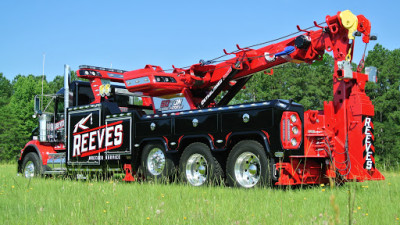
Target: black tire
(149, 167)
(198, 166)
(253, 167)
(31, 165)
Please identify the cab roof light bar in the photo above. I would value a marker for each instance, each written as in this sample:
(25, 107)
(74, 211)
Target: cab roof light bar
(101, 68)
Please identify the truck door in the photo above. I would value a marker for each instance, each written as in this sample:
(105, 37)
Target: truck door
(92, 140)
(85, 135)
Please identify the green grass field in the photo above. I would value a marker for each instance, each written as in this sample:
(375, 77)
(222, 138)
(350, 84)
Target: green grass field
(62, 201)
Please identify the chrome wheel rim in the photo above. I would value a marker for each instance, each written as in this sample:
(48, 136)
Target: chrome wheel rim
(156, 161)
(29, 170)
(247, 169)
(196, 170)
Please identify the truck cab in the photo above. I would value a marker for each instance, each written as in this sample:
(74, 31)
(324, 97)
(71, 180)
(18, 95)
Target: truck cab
(45, 152)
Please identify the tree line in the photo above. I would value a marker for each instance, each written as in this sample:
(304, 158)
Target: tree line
(309, 85)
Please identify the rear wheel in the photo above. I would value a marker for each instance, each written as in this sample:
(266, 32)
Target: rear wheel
(248, 165)
(31, 166)
(198, 166)
(155, 163)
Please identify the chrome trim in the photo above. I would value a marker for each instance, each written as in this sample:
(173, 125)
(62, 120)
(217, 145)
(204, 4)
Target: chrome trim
(67, 74)
(57, 162)
(84, 169)
(152, 126)
(195, 122)
(246, 118)
(115, 75)
(138, 81)
(196, 170)
(247, 169)
(279, 104)
(282, 105)
(155, 162)
(29, 170)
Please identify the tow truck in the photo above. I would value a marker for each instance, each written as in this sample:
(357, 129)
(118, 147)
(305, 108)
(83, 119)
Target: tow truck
(155, 123)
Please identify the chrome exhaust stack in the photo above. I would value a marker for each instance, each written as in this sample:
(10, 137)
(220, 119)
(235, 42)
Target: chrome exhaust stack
(67, 78)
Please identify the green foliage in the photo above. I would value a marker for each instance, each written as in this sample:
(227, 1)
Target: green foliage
(6, 119)
(58, 82)
(385, 95)
(16, 110)
(305, 84)
(16, 117)
(5, 90)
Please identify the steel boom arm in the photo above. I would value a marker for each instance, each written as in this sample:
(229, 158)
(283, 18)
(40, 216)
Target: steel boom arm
(202, 82)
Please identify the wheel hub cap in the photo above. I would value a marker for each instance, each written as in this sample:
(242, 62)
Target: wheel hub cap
(196, 170)
(156, 161)
(252, 169)
(247, 169)
(202, 170)
(29, 170)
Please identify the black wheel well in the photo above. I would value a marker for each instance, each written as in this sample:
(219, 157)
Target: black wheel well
(27, 150)
(220, 156)
(187, 141)
(252, 136)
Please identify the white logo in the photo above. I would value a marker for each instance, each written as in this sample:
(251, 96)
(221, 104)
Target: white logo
(99, 139)
(368, 144)
(82, 122)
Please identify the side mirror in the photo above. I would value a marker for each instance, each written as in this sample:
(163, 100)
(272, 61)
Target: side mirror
(37, 106)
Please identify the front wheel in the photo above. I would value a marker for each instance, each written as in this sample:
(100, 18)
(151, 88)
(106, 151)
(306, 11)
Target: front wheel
(155, 163)
(31, 166)
(248, 165)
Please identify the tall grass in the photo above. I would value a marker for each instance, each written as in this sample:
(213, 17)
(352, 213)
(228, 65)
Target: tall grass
(62, 201)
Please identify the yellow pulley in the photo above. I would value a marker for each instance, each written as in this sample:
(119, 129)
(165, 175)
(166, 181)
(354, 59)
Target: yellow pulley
(350, 22)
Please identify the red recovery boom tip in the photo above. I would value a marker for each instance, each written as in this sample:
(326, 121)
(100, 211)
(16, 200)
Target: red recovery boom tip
(200, 83)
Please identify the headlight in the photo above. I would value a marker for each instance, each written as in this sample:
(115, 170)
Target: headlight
(107, 89)
(102, 90)
(293, 118)
(294, 142)
(295, 130)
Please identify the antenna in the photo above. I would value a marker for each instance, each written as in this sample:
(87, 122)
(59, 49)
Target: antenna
(44, 59)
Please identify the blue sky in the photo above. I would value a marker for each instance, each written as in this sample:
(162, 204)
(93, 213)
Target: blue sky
(130, 34)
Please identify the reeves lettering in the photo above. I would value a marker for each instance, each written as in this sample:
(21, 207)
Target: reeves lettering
(368, 153)
(98, 139)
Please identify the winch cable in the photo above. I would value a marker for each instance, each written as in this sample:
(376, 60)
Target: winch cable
(214, 60)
